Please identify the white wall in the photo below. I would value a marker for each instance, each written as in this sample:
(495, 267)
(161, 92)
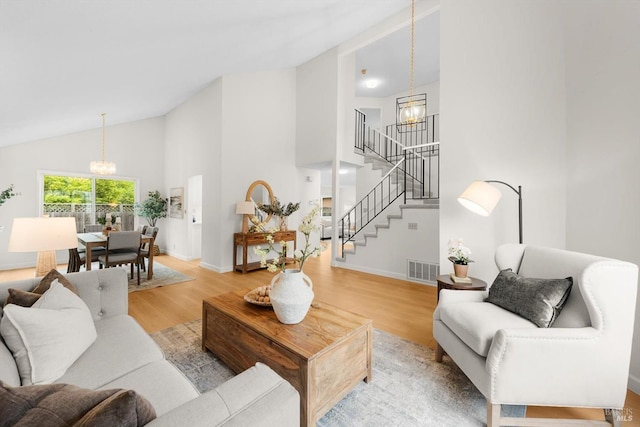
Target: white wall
(346, 111)
(217, 133)
(387, 254)
(316, 119)
(258, 146)
(194, 209)
(503, 117)
(603, 137)
(192, 147)
(136, 148)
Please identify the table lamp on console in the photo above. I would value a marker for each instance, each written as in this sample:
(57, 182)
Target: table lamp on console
(45, 236)
(245, 209)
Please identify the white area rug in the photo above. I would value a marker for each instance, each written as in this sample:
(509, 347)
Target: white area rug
(162, 276)
(408, 389)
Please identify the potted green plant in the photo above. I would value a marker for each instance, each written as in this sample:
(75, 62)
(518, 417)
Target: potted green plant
(4, 196)
(152, 208)
(7, 194)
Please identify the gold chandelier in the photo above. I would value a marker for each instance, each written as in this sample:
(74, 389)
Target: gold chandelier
(411, 111)
(100, 167)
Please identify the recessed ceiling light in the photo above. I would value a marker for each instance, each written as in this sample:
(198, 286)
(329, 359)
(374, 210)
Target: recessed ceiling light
(371, 83)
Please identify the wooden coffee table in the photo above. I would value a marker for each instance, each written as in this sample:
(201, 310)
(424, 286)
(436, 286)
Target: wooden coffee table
(323, 357)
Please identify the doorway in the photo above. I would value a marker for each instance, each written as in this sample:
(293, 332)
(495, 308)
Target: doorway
(194, 197)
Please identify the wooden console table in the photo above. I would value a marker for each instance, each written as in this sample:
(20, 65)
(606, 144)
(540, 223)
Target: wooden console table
(253, 239)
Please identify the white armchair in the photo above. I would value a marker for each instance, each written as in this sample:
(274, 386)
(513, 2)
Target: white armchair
(581, 361)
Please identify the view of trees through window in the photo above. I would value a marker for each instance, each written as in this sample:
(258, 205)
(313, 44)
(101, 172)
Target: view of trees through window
(89, 199)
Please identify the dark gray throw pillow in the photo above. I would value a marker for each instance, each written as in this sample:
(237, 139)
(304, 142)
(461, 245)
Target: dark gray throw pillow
(537, 300)
(58, 405)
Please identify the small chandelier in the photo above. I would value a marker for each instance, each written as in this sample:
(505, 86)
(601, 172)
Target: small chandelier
(101, 167)
(411, 111)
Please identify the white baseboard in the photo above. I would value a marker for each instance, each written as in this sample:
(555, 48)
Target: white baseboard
(384, 273)
(215, 268)
(181, 257)
(19, 265)
(634, 384)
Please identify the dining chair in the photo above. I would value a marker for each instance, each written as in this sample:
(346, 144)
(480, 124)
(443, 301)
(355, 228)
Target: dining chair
(123, 247)
(76, 260)
(144, 250)
(96, 251)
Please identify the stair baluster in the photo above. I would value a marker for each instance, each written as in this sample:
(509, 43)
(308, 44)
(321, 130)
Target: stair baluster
(414, 161)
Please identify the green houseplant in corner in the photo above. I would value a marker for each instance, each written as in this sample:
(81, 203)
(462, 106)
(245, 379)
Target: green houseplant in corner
(153, 208)
(7, 194)
(4, 196)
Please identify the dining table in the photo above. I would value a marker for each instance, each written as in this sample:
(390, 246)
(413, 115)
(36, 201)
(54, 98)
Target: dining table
(93, 240)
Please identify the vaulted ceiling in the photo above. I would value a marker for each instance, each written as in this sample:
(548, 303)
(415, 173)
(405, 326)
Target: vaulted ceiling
(63, 62)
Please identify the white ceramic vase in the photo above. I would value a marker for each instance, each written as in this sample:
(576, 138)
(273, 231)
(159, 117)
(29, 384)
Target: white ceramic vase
(291, 296)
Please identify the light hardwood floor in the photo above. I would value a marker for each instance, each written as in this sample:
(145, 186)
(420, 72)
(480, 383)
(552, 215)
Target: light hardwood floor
(400, 307)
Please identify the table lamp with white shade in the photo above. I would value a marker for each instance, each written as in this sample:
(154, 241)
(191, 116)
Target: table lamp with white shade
(246, 209)
(45, 236)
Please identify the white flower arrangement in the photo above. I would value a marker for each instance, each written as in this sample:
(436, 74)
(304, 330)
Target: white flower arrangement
(458, 252)
(306, 227)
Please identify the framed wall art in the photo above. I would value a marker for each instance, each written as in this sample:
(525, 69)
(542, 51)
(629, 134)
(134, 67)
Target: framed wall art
(176, 203)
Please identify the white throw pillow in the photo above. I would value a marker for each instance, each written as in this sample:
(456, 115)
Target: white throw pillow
(48, 337)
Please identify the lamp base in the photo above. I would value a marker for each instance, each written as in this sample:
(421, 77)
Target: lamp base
(45, 263)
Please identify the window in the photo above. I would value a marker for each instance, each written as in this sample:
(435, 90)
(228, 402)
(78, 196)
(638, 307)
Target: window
(88, 199)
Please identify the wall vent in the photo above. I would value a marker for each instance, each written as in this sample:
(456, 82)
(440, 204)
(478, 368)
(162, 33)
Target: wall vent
(422, 271)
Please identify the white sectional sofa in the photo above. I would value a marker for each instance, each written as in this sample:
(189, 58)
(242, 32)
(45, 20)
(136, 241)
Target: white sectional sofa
(125, 356)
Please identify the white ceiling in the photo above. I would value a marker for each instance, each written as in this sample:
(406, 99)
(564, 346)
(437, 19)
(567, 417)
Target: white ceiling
(388, 60)
(63, 62)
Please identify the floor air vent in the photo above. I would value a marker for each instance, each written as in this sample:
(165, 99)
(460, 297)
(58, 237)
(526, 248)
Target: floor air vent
(422, 271)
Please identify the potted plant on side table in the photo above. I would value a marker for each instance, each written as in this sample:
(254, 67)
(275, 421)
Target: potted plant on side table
(459, 256)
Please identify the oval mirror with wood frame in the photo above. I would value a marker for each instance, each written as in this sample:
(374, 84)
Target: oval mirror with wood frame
(260, 192)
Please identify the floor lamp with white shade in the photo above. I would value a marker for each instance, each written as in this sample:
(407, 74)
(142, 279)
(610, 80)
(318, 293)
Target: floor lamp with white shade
(45, 236)
(481, 198)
